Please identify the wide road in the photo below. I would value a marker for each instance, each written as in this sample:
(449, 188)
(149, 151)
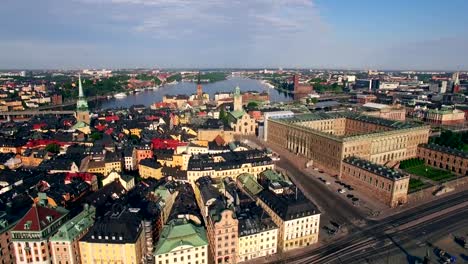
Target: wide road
(378, 231)
(331, 204)
(390, 248)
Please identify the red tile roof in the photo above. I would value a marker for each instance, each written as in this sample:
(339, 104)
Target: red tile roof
(37, 217)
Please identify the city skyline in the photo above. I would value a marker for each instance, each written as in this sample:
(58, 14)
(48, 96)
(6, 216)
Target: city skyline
(420, 35)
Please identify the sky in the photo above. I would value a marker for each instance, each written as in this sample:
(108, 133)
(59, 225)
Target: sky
(339, 34)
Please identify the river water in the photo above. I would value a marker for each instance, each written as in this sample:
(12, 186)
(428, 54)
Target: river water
(149, 97)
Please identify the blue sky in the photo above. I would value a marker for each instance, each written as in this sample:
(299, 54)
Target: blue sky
(360, 34)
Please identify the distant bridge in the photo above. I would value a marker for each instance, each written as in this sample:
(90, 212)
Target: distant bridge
(27, 113)
(33, 113)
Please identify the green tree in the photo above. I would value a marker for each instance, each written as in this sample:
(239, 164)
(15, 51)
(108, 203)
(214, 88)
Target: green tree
(222, 114)
(450, 139)
(53, 148)
(252, 105)
(96, 135)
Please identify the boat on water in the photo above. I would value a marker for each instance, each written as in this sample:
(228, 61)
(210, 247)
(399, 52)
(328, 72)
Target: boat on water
(267, 84)
(120, 95)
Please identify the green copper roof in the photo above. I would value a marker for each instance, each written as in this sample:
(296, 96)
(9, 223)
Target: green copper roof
(273, 176)
(162, 192)
(237, 114)
(72, 228)
(81, 104)
(180, 232)
(249, 183)
(79, 124)
(237, 91)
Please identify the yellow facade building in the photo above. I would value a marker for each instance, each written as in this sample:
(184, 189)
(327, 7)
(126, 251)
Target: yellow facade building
(117, 239)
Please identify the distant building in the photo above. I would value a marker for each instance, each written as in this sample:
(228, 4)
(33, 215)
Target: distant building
(388, 85)
(381, 183)
(182, 242)
(438, 87)
(392, 112)
(445, 116)
(300, 90)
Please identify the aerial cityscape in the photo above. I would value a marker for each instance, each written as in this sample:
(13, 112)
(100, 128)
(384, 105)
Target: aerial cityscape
(222, 132)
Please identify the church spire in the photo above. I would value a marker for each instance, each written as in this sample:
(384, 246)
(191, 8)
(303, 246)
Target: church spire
(80, 87)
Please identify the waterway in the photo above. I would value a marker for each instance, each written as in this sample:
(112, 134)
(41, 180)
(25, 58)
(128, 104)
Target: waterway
(148, 97)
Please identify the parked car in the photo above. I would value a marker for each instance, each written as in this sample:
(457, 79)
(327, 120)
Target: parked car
(327, 183)
(341, 190)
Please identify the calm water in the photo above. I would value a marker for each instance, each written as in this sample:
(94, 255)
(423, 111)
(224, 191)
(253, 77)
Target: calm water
(149, 97)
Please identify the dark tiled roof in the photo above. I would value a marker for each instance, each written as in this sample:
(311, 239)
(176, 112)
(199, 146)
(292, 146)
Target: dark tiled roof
(116, 228)
(231, 160)
(288, 207)
(150, 163)
(447, 150)
(375, 168)
(38, 218)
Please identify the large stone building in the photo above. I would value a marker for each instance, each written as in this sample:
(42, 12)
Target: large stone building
(182, 242)
(327, 138)
(443, 157)
(297, 218)
(228, 164)
(221, 222)
(64, 244)
(377, 181)
(114, 238)
(31, 234)
(7, 251)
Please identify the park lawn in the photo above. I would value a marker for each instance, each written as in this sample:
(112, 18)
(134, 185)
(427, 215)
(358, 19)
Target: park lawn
(415, 184)
(431, 173)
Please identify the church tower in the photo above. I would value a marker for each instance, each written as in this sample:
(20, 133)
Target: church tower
(237, 99)
(82, 112)
(199, 88)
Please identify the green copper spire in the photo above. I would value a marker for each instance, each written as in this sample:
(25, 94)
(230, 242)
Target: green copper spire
(80, 89)
(237, 90)
(81, 104)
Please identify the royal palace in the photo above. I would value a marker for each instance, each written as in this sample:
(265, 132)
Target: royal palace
(327, 138)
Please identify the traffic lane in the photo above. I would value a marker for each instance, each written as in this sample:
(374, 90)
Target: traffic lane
(408, 242)
(380, 227)
(325, 198)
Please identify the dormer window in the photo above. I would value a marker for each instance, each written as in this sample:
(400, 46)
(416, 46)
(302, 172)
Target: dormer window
(49, 218)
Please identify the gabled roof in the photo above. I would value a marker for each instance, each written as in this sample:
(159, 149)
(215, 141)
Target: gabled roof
(38, 218)
(180, 233)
